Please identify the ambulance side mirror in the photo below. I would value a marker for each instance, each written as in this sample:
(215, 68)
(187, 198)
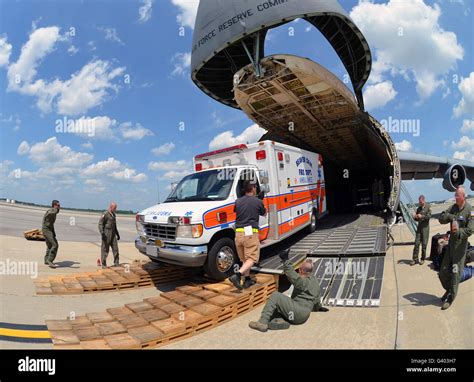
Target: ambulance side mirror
(263, 175)
(264, 189)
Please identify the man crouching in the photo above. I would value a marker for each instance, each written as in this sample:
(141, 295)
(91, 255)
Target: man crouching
(280, 311)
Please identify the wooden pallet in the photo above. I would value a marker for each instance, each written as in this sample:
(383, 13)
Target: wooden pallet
(160, 320)
(34, 234)
(114, 278)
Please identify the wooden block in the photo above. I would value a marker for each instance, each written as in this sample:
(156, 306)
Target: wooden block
(262, 278)
(122, 341)
(218, 287)
(88, 284)
(190, 301)
(206, 309)
(172, 308)
(173, 295)
(189, 289)
(169, 326)
(59, 289)
(140, 306)
(205, 294)
(64, 337)
(130, 276)
(154, 315)
(146, 334)
(74, 287)
(222, 300)
(100, 317)
(103, 282)
(42, 284)
(86, 333)
(188, 316)
(67, 280)
(119, 312)
(157, 301)
(58, 325)
(80, 321)
(100, 344)
(108, 328)
(56, 283)
(44, 291)
(132, 321)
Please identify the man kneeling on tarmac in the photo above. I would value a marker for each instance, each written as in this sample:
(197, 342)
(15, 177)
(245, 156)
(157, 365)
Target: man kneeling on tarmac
(280, 311)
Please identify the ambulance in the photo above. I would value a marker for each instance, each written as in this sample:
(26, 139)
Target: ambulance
(195, 225)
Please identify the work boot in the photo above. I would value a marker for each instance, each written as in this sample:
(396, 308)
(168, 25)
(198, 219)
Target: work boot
(235, 279)
(248, 282)
(278, 324)
(413, 262)
(257, 325)
(51, 264)
(448, 302)
(445, 296)
(422, 261)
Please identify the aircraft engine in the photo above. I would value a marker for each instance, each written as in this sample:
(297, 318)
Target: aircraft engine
(454, 177)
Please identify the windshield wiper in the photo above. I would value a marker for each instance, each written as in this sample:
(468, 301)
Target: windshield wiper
(196, 198)
(173, 199)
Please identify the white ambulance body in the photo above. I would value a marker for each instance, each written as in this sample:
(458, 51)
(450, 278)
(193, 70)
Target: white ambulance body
(195, 225)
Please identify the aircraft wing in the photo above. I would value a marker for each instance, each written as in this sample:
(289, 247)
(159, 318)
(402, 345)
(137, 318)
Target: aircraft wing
(421, 166)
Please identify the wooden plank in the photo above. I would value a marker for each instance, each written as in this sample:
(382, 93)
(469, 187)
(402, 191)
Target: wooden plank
(169, 326)
(157, 301)
(206, 309)
(99, 317)
(122, 341)
(63, 337)
(58, 325)
(190, 301)
(140, 306)
(218, 287)
(188, 316)
(189, 289)
(108, 328)
(154, 315)
(172, 308)
(132, 321)
(119, 312)
(146, 334)
(99, 344)
(222, 300)
(86, 333)
(80, 321)
(173, 295)
(204, 294)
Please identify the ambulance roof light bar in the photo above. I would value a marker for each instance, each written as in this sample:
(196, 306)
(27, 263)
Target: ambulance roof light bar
(215, 152)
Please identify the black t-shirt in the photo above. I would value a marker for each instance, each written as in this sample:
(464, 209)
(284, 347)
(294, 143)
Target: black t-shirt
(248, 209)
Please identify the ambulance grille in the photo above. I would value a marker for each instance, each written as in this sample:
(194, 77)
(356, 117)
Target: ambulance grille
(161, 231)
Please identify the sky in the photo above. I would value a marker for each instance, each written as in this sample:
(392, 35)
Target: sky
(97, 102)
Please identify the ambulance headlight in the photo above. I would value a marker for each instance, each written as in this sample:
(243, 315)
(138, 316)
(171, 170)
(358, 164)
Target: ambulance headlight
(139, 221)
(191, 231)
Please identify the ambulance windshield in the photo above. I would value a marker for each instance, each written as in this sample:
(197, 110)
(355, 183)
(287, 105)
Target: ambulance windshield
(202, 186)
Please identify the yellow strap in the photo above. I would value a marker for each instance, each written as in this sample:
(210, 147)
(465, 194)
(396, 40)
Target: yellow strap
(255, 230)
(24, 333)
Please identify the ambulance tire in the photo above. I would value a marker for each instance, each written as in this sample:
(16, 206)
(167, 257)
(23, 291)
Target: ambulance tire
(221, 259)
(314, 220)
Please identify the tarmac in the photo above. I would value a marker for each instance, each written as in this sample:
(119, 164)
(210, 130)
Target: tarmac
(409, 315)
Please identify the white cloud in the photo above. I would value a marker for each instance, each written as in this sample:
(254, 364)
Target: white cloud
(250, 135)
(164, 149)
(464, 143)
(87, 146)
(404, 145)
(466, 105)
(179, 165)
(5, 51)
(464, 155)
(51, 153)
(182, 62)
(187, 12)
(144, 12)
(72, 50)
(111, 34)
(111, 169)
(409, 41)
(467, 126)
(87, 88)
(134, 133)
(23, 149)
(176, 174)
(378, 95)
(98, 128)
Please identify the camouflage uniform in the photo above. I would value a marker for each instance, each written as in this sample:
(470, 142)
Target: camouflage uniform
(49, 234)
(422, 231)
(110, 234)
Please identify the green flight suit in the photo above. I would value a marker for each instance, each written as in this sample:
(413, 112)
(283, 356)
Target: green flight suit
(49, 234)
(453, 261)
(306, 297)
(108, 231)
(422, 231)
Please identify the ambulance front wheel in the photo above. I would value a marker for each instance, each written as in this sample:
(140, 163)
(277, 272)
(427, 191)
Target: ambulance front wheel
(221, 259)
(314, 220)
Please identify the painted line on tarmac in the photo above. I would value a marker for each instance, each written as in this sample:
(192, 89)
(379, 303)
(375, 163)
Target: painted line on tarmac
(24, 333)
